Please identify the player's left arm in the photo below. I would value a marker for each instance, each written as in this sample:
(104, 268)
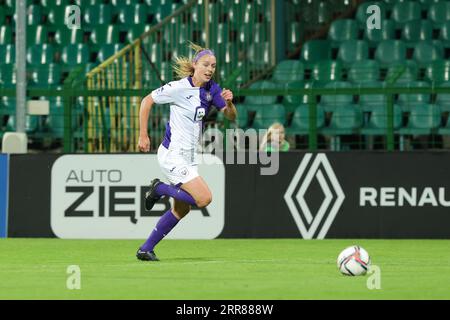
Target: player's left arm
(229, 111)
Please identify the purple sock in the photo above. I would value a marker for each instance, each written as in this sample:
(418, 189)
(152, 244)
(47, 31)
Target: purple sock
(175, 192)
(165, 224)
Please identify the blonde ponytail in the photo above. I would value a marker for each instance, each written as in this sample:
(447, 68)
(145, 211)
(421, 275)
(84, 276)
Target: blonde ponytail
(183, 65)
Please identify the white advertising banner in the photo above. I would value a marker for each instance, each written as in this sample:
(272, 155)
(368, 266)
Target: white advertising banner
(101, 197)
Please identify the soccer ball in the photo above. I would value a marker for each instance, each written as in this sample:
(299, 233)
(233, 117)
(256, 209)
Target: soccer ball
(353, 261)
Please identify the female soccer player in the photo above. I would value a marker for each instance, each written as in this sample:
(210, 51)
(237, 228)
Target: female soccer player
(190, 99)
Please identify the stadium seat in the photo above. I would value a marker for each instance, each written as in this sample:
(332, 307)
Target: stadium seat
(165, 9)
(439, 13)
(443, 99)
(315, 50)
(351, 51)
(425, 52)
(424, 119)
(438, 72)
(5, 35)
(37, 34)
(266, 115)
(403, 12)
(342, 30)
(364, 70)
(135, 31)
(105, 34)
(242, 116)
(132, 15)
(389, 52)
(444, 35)
(378, 125)
(333, 101)
(260, 99)
(55, 119)
(48, 76)
(65, 36)
(259, 55)
(75, 54)
(344, 120)
(369, 102)
(108, 50)
(7, 54)
(8, 105)
(375, 36)
(40, 54)
(100, 14)
(295, 34)
(418, 30)
(362, 15)
(35, 15)
(326, 71)
(402, 72)
(407, 101)
(56, 16)
(287, 71)
(300, 120)
(292, 101)
(7, 76)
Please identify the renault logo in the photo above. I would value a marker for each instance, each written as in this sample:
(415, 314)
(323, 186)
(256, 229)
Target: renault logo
(310, 224)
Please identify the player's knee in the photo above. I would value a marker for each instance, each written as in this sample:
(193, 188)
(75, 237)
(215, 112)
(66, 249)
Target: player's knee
(203, 201)
(181, 212)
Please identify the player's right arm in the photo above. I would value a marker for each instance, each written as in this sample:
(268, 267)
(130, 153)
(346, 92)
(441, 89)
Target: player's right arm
(144, 112)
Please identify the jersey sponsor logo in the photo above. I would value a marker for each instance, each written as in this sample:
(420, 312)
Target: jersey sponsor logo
(200, 112)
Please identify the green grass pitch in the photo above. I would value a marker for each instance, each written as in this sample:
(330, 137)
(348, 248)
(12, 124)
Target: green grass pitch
(221, 269)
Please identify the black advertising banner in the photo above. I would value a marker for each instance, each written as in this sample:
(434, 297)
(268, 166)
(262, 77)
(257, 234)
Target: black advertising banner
(311, 196)
(342, 195)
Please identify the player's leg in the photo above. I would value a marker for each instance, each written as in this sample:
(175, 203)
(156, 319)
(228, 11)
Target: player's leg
(199, 190)
(166, 223)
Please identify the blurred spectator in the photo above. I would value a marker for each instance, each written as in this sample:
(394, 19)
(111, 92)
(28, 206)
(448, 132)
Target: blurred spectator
(274, 139)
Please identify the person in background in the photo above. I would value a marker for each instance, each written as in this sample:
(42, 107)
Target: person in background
(274, 139)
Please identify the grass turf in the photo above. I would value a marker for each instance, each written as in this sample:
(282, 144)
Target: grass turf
(221, 269)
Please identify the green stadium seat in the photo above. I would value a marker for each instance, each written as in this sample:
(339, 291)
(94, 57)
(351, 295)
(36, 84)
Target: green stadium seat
(407, 101)
(40, 54)
(326, 71)
(260, 99)
(56, 16)
(344, 120)
(342, 30)
(389, 52)
(105, 34)
(351, 51)
(375, 36)
(362, 15)
(31, 123)
(369, 102)
(288, 71)
(324, 12)
(439, 13)
(315, 50)
(47, 5)
(377, 124)
(7, 76)
(300, 120)
(291, 101)
(295, 35)
(8, 105)
(425, 52)
(35, 15)
(6, 35)
(364, 70)
(100, 14)
(75, 54)
(259, 55)
(65, 36)
(402, 72)
(438, 72)
(2, 16)
(330, 102)
(445, 130)
(55, 119)
(108, 50)
(136, 31)
(7, 54)
(266, 115)
(444, 35)
(132, 15)
(443, 99)
(242, 118)
(48, 76)
(418, 30)
(424, 119)
(426, 4)
(165, 9)
(37, 34)
(403, 12)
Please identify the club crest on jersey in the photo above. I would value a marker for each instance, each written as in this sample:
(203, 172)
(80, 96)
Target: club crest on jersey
(208, 97)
